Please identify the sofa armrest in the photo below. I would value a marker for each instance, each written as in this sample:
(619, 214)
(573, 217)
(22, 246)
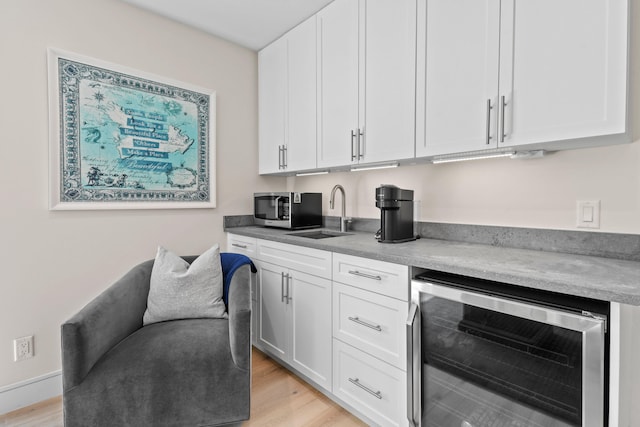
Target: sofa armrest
(112, 316)
(239, 309)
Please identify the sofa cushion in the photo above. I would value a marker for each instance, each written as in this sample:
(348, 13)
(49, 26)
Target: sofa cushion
(182, 291)
(161, 367)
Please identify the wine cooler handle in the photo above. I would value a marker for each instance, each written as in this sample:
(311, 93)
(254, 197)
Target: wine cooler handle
(414, 365)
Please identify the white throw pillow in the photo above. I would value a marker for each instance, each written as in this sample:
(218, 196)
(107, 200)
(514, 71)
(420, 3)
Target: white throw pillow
(182, 291)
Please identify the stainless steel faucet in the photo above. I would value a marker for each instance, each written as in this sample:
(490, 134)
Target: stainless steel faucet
(343, 218)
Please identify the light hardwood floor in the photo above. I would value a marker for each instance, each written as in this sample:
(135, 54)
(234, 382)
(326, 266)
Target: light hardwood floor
(278, 398)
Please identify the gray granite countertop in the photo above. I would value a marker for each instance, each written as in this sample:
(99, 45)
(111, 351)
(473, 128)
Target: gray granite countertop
(580, 275)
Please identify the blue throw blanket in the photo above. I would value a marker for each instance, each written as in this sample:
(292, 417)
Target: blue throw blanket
(230, 263)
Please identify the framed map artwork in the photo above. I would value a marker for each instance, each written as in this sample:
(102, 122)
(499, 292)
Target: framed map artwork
(124, 139)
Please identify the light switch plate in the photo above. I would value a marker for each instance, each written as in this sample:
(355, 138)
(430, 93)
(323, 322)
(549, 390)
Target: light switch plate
(588, 213)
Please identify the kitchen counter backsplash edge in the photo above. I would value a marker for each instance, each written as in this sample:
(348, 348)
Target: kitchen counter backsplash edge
(606, 245)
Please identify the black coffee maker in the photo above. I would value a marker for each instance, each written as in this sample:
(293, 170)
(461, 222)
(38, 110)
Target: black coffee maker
(396, 214)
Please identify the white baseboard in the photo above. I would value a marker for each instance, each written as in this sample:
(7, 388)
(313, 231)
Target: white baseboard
(28, 392)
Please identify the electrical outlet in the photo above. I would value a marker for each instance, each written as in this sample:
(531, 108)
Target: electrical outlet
(22, 348)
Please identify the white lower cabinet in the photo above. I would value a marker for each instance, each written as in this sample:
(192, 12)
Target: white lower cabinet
(369, 385)
(295, 320)
(335, 319)
(294, 308)
(370, 306)
(310, 303)
(274, 315)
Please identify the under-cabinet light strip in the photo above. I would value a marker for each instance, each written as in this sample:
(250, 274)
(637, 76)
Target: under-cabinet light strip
(372, 167)
(312, 173)
(473, 157)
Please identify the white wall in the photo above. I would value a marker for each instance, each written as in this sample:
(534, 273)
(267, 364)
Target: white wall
(538, 193)
(53, 263)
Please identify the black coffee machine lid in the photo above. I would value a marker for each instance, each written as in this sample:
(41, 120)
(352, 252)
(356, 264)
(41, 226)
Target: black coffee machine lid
(392, 192)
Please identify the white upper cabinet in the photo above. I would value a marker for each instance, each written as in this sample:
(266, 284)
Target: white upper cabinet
(564, 73)
(495, 74)
(366, 81)
(287, 101)
(272, 105)
(337, 82)
(461, 74)
(388, 117)
(301, 146)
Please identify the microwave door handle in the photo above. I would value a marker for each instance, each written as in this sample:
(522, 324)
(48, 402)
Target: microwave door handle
(275, 207)
(414, 366)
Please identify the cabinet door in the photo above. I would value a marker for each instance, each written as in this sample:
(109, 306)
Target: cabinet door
(461, 75)
(388, 72)
(337, 82)
(311, 335)
(274, 321)
(563, 69)
(301, 142)
(272, 94)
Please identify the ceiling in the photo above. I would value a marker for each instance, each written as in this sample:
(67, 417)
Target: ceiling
(250, 23)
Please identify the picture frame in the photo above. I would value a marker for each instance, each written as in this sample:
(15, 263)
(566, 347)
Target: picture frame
(121, 138)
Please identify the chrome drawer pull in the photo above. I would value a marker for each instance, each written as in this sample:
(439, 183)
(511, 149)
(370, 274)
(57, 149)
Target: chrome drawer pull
(368, 276)
(367, 389)
(363, 323)
(239, 246)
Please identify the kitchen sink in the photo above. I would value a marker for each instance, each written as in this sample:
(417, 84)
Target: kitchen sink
(318, 234)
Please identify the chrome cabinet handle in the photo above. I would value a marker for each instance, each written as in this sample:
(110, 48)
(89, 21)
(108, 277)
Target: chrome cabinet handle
(288, 296)
(502, 107)
(284, 157)
(367, 324)
(368, 276)
(279, 156)
(282, 287)
(356, 381)
(489, 108)
(239, 246)
(353, 144)
(360, 144)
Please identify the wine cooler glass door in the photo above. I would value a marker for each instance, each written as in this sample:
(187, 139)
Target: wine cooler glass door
(478, 360)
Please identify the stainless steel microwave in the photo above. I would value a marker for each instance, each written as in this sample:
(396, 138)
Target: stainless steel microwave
(288, 210)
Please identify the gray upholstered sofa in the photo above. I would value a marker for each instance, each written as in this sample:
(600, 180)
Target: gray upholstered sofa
(193, 372)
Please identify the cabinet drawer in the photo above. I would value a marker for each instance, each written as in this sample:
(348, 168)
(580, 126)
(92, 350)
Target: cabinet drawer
(371, 322)
(376, 276)
(245, 246)
(307, 260)
(369, 385)
(241, 245)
